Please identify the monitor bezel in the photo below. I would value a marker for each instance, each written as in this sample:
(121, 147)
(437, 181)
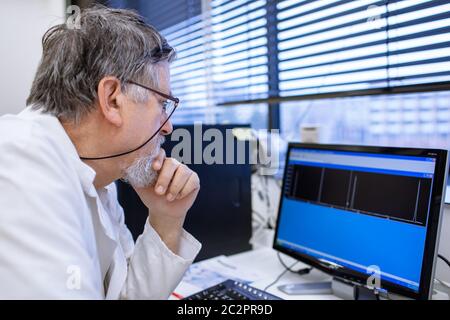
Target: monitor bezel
(433, 225)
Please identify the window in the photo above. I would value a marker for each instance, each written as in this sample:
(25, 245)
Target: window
(331, 48)
(335, 46)
(329, 63)
(239, 50)
(415, 120)
(189, 72)
(222, 58)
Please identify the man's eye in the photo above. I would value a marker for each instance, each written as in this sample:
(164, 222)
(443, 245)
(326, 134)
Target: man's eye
(165, 105)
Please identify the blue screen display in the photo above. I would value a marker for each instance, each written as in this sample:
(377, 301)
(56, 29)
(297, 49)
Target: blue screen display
(358, 211)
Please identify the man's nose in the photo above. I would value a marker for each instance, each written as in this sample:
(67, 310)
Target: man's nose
(167, 128)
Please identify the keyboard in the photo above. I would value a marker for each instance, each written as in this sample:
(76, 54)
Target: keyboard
(232, 290)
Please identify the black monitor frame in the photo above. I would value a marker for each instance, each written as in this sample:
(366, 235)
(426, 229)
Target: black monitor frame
(433, 226)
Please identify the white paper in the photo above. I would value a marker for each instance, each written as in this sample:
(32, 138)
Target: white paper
(208, 273)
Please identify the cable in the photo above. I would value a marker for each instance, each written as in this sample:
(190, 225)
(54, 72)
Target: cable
(443, 283)
(122, 153)
(268, 203)
(279, 277)
(286, 269)
(448, 264)
(301, 271)
(444, 259)
(307, 270)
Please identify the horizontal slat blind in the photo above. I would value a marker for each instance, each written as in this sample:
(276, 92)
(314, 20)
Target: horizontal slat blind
(328, 46)
(239, 50)
(188, 77)
(220, 59)
(334, 46)
(419, 41)
(323, 47)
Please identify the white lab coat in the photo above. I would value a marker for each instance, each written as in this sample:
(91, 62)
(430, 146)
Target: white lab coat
(60, 238)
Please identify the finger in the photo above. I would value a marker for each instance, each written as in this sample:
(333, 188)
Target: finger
(159, 160)
(166, 173)
(179, 180)
(193, 184)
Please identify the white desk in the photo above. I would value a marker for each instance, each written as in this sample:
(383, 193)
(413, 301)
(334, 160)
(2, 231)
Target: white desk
(263, 262)
(267, 262)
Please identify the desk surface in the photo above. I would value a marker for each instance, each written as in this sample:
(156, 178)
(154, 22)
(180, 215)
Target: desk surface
(266, 260)
(267, 264)
(262, 262)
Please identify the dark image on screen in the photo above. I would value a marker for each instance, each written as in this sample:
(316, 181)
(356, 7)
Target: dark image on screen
(384, 195)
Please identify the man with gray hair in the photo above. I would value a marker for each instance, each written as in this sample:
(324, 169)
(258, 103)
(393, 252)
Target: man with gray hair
(98, 111)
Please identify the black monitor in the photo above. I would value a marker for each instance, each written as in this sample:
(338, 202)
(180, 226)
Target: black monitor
(349, 210)
(221, 217)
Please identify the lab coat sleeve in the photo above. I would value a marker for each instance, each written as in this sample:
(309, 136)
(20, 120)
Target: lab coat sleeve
(154, 270)
(43, 254)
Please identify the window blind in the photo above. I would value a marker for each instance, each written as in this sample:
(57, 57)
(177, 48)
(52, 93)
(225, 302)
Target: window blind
(239, 50)
(332, 46)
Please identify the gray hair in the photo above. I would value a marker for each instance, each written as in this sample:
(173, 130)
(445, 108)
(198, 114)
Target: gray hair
(109, 42)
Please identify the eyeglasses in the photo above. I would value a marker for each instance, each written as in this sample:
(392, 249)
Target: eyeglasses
(169, 105)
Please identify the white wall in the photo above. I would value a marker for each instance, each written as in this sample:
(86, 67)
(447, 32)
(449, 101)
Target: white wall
(22, 24)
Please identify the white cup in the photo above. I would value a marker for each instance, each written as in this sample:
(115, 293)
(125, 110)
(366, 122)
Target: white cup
(310, 134)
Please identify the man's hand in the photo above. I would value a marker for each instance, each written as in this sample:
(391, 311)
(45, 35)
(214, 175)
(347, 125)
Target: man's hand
(170, 198)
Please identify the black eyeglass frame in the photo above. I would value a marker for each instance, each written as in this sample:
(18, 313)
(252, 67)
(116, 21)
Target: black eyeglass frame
(169, 97)
(164, 95)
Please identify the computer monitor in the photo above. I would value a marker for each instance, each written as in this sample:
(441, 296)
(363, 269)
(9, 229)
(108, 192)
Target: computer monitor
(348, 210)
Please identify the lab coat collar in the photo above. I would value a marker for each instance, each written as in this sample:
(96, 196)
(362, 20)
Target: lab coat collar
(87, 176)
(106, 239)
(52, 123)
(85, 172)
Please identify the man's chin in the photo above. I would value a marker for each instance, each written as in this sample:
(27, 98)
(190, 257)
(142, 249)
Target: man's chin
(142, 182)
(140, 174)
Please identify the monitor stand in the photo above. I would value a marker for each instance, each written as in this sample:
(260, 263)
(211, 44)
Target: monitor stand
(337, 287)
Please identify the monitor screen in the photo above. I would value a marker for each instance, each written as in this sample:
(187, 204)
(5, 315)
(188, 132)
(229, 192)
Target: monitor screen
(358, 210)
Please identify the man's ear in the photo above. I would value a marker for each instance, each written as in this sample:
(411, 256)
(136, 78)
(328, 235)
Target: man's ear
(109, 91)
